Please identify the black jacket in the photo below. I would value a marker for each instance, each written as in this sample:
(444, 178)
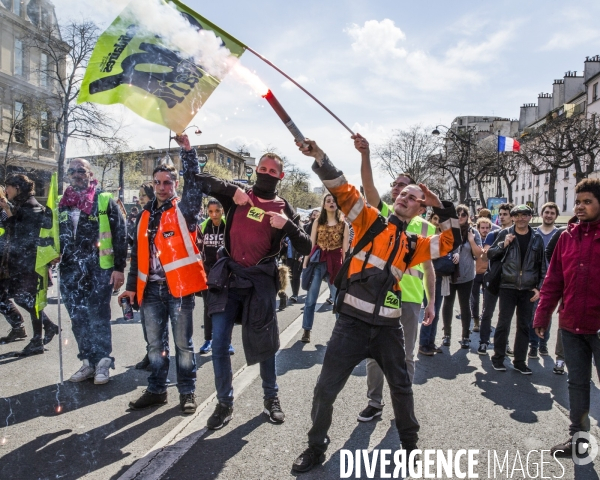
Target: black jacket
(83, 247)
(22, 237)
(260, 332)
(532, 274)
(191, 201)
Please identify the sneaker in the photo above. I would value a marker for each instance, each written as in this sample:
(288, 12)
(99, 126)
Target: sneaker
(206, 347)
(101, 375)
(273, 410)
(86, 371)
(305, 337)
(465, 343)
(231, 349)
(329, 300)
(498, 365)
(509, 352)
(426, 350)
(446, 341)
(149, 399)
(307, 460)
(475, 324)
(369, 414)
(544, 350)
(482, 350)
(50, 332)
(144, 364)
(533, 352)
(34, 347)
(14, 335)
(522, 368)
(187, 402)
(294, 299)
(559, 367)
(563, 450)
(220, 417)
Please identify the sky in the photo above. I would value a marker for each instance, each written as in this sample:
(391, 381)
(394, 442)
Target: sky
(379, 65)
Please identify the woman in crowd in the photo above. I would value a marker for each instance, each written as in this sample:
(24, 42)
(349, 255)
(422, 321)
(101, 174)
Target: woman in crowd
(22, 237)
(484, 226)
(462, 279)
(329, 237)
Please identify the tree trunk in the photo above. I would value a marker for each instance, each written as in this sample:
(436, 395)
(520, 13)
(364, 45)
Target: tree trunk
(552, 185)
(509, 189)
(481, 195)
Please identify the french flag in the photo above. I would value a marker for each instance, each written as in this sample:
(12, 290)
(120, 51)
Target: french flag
(507, 144)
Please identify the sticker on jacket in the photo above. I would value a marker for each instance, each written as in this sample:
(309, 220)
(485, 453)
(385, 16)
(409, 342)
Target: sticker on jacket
(256, 213)
(168, 234)
(391, 300)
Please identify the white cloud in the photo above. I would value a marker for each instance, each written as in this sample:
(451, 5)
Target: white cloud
(301, 79)
(377, 39)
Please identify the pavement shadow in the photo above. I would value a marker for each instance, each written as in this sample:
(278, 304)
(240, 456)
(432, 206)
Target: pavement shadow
(295, 358)
(95, 449)
(208, 456)
(442, 365)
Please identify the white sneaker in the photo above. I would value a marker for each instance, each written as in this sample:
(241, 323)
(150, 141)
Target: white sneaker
(101, 375)
(86, 371)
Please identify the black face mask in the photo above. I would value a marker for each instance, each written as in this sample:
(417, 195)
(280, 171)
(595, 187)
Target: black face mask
(265, 186)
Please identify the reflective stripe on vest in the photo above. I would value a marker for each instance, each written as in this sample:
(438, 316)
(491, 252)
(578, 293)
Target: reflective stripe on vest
(105, 245)
(369, 307)
(379, 263)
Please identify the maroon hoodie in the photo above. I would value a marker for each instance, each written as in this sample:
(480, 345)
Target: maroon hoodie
(573, 277)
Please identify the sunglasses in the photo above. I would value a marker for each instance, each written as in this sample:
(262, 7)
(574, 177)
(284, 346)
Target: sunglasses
(463, 214)
(72, 171)
(398, 184)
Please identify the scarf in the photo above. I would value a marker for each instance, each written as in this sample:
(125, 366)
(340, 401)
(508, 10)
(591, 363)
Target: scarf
(265, 186)
(83, 200)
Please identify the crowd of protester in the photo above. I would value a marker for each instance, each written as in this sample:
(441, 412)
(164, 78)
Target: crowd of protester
(391, 269)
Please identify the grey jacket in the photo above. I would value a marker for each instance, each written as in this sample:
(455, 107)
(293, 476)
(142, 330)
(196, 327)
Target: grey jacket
(532, 274)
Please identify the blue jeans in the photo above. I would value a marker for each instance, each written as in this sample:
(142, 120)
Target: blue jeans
(534, 340)
(222, 324)
(579, 350)
(157, 308)
(428, 333)
(313, 293)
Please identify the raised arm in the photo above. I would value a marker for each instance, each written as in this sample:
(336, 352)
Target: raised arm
(366, 170)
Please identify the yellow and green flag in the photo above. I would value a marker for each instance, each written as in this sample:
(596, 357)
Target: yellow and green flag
(135, 66)
(48, 248)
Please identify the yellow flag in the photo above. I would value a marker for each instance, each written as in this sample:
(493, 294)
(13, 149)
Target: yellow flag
(133, 64)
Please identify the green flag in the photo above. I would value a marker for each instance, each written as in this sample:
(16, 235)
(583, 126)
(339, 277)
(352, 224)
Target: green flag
(49, 247)
(136, 67)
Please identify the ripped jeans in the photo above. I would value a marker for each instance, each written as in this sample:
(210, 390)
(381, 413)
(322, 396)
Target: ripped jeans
(156, 309)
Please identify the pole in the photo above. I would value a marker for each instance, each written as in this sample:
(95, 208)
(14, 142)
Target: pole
(60, 341)
(299, 86)
(121, 180)
(499, 187)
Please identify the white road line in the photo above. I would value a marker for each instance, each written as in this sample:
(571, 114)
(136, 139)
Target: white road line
(162, 456)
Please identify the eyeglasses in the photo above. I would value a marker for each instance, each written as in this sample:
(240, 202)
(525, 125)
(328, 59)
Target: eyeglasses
(398, 184)
(72, 171)
(463, 214)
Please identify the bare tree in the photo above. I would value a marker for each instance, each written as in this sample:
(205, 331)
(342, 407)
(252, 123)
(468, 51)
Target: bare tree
(586, 140)
(68, 49)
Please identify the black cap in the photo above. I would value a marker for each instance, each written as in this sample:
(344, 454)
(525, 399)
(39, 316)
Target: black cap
(524, 209)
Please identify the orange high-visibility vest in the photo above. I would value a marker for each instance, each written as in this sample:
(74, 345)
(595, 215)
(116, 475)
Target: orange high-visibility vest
(177, 251)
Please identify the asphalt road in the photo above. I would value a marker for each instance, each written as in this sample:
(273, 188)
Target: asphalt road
(461, 403)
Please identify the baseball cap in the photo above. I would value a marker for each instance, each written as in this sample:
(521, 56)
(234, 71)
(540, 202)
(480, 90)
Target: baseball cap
(524, 209)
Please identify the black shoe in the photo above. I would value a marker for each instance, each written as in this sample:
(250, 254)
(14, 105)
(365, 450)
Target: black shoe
(446, 341)
(283, 298)
(329, 300)
(522, 368)
(533, 352)
(220, 417)
(50, 332)
(144, 364)
(273, 410)
(187, 402)
(498, 365)
(543, 350)
(482, 350)
(509, 352)
(294, 299)
(305, 337)
(14, 335)
(436, 349)
(34, 347)
(409, 447)
(465, 343)
(426, 350)
(563, 450)
(149, 399)
(369, 414)
(307, 460)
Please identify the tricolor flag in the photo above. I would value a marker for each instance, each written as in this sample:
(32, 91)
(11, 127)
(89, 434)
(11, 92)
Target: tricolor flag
(134, 65)
(508, 144)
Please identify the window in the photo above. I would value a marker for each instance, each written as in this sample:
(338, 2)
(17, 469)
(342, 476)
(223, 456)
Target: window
(43, 70)
(19, 118)
(522, 199)
(18, 57)
(595, 92)
(529, 197)
(45, 130)
(546, 178)
(6, 3)
(566, 198)
(566, 173)
(545, 197)
(537, 181)
(17, 7)
(45, 18)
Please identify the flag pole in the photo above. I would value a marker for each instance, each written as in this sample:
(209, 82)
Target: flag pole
(499, 189)
(299, 86)
(60, 341)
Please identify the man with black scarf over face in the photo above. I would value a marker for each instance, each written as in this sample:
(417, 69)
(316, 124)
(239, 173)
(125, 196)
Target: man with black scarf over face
(244, 283)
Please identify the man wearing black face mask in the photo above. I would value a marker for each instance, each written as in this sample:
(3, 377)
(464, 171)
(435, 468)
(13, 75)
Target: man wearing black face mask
(243, 284)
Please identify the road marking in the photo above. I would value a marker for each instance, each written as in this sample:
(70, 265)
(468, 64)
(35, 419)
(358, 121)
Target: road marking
(162, 456)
